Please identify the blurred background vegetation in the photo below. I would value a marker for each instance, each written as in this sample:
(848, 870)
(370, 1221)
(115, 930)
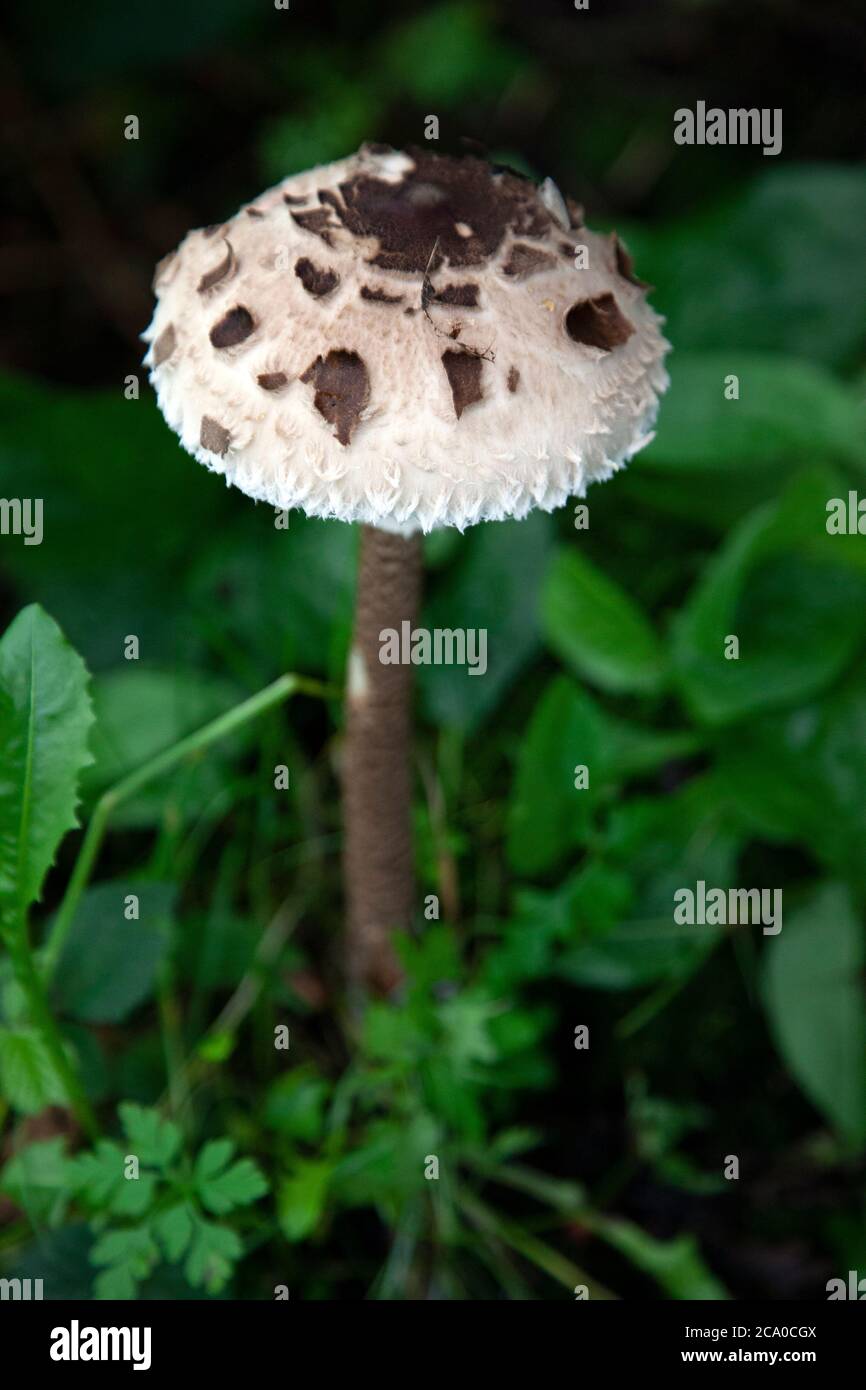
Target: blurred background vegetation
(558, 1167)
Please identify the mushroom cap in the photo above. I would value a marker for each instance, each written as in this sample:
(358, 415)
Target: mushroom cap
(405, 339)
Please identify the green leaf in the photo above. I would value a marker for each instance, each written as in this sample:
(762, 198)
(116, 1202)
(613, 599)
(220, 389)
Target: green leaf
(173, 1228)
(45, 716)
(139, 713)
(799, 616)
(548, 815)
(788, 413)
(800, 777)
(129, 1255)
(213, 1254)
(154, 1140)
(778, 268)
(295, 1104)
(676, 1265)
(109, 963)
(817, 1006)
(301, 1198)
(596, 629)
(37, 1180)
(28, 1079)
(99, 1177)
(220, 1187)
(494, 587)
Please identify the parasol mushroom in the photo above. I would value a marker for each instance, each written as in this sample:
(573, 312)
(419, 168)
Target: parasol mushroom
(408, 341)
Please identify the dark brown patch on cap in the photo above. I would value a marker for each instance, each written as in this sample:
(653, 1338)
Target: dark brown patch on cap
(524, 261)
(164, 345)
(575, 212)
(212, 229)
(342, 385)
(293, 201)
(420, 211)
(213, 437)
(598, 323)
(255, 212)
(316, 280)
(219, 272)
(318, 221)
(272, 381)
(567, 250)
(513, 379)
(232, 328)
(380, 296)
(463, 371)
(462, 296)
(625, 264)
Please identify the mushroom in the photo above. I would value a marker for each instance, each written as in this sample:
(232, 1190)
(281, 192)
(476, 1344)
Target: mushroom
(403, 340)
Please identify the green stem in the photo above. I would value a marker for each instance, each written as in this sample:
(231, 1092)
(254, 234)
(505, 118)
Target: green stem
(163, 762)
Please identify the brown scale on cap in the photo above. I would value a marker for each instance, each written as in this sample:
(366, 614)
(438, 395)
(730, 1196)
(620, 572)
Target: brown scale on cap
(381, 297)
(213, 436)
(164, 345)
(342, 385)
(423, 209)
(272, 381)
(598, 323)
(220, 272)
(233, 328)
(461, 296)
(625, 264)
(463, 371)
(293, 201)
(513, 379)
(315, 279)
(318, 221)
(524, 261)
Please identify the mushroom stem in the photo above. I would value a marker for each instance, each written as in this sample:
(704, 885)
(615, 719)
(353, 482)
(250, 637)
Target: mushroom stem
(377, 779)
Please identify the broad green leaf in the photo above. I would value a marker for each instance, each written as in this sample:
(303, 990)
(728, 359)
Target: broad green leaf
(814, 990)
(142, 712)
(778, 268)
(788, 413)
(800, 777)
(799, 617)
(597, 629)
(548, 815)
(302, 1196)
(221, 1185)
(154, 1140)
(295, 1104)
(45, 717)
(28, 1078)
(110, 962)
(494, 587)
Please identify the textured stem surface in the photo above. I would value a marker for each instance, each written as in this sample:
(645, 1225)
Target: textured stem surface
(377, 778)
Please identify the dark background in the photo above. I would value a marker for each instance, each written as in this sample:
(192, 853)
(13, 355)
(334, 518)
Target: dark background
(703, 1045)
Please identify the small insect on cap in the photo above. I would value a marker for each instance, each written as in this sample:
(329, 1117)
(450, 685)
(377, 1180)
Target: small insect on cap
(408, 340)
